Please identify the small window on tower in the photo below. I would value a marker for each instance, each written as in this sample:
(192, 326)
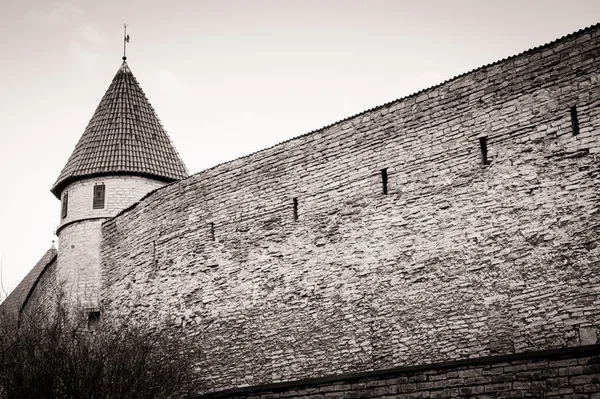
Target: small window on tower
(65, 204)
(99, 190)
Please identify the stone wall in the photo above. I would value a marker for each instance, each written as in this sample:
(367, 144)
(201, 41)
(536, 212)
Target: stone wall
(458, 260)
(34, 285)
(538, 375)
(44, 295)
(78, 269)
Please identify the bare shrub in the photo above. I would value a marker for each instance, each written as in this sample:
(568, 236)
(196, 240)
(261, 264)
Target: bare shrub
(67, 354)
(4, 291)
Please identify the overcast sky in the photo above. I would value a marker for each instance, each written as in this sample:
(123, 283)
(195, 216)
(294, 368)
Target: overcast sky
(227, 77)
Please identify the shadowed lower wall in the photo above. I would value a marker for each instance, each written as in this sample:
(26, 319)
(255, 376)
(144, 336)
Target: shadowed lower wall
(553, 374)
(457, 260)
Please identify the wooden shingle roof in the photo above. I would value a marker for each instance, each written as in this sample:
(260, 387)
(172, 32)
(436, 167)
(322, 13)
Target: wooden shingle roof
(124, 136)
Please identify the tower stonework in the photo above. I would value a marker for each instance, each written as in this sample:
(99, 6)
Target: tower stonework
(80, 232)
(123, 155)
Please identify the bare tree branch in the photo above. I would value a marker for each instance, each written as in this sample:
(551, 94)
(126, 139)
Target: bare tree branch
(58, 355)
(4, 291)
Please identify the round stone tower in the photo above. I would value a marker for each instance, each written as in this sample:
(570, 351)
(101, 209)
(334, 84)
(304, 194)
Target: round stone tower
(123, 154)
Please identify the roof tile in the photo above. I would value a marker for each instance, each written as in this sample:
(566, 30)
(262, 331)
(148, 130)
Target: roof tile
(123, 136)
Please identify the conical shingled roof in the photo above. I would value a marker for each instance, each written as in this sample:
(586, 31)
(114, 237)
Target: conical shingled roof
(124, 136)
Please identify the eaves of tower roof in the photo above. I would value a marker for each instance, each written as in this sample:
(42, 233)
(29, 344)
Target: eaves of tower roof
(124, 136)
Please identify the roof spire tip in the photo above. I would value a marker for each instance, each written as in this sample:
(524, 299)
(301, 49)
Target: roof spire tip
(124, 58)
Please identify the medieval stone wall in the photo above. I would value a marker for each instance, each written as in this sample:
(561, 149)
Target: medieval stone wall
(44, 296)
(292, 262)
(575, 375)
(78, 269)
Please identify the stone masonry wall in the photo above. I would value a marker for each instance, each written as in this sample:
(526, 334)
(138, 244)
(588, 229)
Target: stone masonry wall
(555, 376)
(458, 260)
(78, 269)
(43, 298)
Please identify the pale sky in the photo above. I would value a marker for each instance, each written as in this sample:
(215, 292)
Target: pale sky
(227, 78)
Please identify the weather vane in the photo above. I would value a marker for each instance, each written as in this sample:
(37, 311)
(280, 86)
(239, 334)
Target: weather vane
(125, 41)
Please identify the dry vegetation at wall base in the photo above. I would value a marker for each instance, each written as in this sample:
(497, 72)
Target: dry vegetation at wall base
(295, 262)
(56, 352)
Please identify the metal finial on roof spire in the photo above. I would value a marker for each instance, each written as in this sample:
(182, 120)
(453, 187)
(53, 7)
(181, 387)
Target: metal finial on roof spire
(125, 41)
